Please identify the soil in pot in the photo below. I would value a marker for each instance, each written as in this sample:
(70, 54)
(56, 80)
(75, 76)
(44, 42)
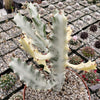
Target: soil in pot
(73, 89)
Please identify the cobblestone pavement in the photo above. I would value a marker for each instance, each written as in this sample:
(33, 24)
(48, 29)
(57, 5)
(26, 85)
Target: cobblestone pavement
(81, 16)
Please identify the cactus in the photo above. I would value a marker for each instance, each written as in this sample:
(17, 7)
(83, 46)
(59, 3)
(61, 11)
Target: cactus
(88, 51)
(7, 81)
(55, 49)
(84, 35)
(91, 77)
(83, 66)
(97, 44)
(75, 60)
(74, 41)
(93, 28)
(37, 35)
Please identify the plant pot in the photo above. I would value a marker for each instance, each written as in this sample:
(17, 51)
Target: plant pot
(69, 70)
(83, 82)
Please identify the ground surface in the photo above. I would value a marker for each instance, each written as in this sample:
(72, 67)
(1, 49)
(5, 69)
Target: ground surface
(81, 16)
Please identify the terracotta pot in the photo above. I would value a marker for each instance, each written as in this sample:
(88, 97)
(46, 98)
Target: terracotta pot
(82, 81)
(73, 72)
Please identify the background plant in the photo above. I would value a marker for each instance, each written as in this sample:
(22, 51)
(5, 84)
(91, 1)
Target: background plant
(91, 77)
(97, 44)
(7, 81)
(84, 35)
(74, 40)
(88, 51)
(75, 60)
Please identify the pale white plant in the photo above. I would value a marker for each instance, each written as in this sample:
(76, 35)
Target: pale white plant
(55, 48)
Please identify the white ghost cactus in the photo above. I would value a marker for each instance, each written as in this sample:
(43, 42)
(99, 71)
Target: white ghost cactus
(56, 49)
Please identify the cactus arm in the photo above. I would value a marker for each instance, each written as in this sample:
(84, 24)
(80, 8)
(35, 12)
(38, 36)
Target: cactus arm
(31, 76)
(58, 51)
(58, 45)
(38, 57)
(26, 28)
(68, 36)
(39, 25)
(83, 66)
(59, 20)
(26, 45)
(43, 62)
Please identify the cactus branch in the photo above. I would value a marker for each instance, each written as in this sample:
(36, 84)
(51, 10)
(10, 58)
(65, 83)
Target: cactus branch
(83, 66)
(39, 25)
(27, 28)
(37, 56)
(31, 76)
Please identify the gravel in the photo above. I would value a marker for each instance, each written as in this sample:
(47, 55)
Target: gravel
(14, 32)
(7, 47)
(73, 89)
(7, 25)
(4, 36)
(3, 65)
(17, 53)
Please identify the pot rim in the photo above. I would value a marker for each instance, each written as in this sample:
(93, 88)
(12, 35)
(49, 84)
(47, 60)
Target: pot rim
(82, 81)
(76, 74)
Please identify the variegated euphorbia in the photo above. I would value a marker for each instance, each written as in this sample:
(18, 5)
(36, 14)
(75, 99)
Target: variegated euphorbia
(55, 50)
